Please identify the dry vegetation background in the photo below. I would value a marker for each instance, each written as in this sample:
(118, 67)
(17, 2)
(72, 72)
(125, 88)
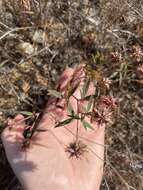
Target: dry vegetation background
(40, 38)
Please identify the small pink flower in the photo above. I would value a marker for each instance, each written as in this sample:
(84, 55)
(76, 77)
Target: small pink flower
(109, 101)
(116, 56)
(103, 116)
(140, 71)
(137, 54)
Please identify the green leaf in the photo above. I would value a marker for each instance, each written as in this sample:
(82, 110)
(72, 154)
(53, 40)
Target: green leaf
(55, 93)
(80, 92)
(1, 65)
(90, 103)
(27, 133)
(114, 75)
(85, 88)
(72, 90)
(98, 58)
(86, 125)
(27, 113)
(63, 123)
(74, 116)
(70, 109)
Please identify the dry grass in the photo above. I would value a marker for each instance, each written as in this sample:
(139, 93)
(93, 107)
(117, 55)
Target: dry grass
(43, 37)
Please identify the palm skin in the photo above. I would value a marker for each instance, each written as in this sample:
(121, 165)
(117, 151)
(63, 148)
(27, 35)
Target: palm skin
(45, 165)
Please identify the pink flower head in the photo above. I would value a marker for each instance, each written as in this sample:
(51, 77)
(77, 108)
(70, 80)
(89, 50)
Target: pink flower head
(116, 56)
(109, 101)
(137, 53)
(140, 71)
(103, 116)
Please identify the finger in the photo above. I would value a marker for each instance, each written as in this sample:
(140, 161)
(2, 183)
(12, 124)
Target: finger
(65, 78)
(14, 130)
(19, 117)
(61, 86)
(80, 79)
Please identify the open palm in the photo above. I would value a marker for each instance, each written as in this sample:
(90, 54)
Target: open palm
(47, 164)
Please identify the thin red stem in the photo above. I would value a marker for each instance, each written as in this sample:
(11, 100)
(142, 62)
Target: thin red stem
(77, 129)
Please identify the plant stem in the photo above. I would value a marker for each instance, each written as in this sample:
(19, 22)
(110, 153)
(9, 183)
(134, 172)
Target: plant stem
(77, 127)
(94, 102)
(77, 131)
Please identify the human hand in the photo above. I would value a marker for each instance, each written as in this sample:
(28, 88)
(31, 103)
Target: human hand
(47, 164)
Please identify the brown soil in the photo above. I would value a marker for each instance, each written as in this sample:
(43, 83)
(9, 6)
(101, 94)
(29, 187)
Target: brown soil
(37, 42)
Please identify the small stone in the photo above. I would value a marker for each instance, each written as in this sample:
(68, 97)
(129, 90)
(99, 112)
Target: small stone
(39, 37)
(26, 48)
